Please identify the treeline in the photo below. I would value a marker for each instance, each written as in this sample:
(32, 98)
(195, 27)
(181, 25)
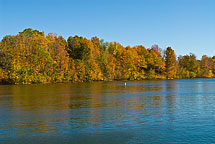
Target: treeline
(32, 57)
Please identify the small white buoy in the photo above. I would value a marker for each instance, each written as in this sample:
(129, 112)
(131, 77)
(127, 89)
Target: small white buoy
(125, 84)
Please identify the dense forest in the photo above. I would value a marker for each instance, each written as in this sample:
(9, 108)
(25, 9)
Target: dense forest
(33, 57)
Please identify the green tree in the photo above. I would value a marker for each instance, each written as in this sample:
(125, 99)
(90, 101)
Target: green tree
(188, 66)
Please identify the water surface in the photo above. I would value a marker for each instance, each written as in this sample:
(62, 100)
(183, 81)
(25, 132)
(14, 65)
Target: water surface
(165, 111)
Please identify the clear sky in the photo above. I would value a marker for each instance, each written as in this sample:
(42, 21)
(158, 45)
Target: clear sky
(185, 25)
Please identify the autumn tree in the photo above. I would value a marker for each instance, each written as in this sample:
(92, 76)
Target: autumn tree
(32, 57)
(57, 48)
(170, 61)
(155, 62)
(188, 66)
(26, 58)
(206, 65)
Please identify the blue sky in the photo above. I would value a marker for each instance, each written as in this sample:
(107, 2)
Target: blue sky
(185, 25)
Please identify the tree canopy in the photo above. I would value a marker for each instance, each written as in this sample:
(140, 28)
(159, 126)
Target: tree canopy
(32, 57)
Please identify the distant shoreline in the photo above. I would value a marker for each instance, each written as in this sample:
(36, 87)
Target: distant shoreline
(33, 57)
(2, 83)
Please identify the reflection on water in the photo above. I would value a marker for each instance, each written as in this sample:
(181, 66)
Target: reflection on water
(109, 112)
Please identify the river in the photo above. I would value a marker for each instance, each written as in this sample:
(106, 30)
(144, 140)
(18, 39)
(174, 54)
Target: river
(159, 111)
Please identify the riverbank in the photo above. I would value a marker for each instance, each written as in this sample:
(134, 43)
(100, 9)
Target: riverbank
(7, 83)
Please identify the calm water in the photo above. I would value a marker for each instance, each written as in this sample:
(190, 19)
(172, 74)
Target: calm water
(174, 111)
